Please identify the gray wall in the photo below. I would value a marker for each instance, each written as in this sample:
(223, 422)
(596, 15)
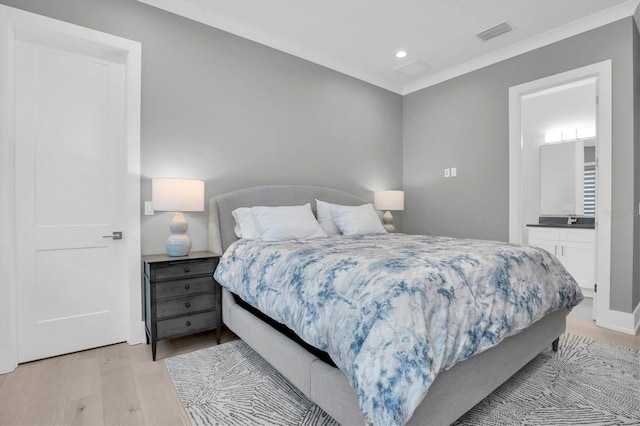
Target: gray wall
(236, 113)
(464, 122)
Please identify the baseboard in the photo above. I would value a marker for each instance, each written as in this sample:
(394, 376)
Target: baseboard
(621, 321)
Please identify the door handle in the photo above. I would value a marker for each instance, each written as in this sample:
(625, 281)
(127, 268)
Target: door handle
(117, 235)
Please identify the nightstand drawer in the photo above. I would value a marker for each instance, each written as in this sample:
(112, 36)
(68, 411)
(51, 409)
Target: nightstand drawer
(182, 269)
(185, 305)
(187, 325)
(184, 287)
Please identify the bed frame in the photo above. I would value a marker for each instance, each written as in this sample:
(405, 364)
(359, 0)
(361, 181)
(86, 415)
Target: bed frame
(453, 393)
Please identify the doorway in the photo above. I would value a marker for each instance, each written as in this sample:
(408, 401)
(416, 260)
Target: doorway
(600, 75)
(559, 138)
(70, 179)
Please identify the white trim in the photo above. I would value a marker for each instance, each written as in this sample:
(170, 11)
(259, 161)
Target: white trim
(622, 321)
(516, 94)
(13, 24)
(133, 102)
(602, 71)
(8, 330)
(138, 333)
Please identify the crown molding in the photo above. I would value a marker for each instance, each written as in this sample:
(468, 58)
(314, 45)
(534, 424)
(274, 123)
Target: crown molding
(590, 22)
(192, 11)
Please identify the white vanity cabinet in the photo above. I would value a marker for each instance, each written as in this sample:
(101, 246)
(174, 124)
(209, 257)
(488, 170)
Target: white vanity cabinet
(575, 248)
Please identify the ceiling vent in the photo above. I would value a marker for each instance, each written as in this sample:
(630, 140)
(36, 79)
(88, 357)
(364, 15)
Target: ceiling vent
(494, 31)
(415, 68)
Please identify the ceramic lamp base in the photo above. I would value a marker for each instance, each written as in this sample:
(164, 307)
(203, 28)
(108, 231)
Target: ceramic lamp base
(387, 218)
(178, 243)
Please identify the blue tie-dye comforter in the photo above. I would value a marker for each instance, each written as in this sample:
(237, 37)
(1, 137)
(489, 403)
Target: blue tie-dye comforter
(394, 310)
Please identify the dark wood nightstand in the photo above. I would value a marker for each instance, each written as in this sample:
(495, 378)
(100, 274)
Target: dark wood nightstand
(181, 297)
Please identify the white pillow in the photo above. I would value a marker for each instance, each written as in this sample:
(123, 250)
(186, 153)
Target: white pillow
(245, 227)
(358, 220)
(287, 223)
(325, 217)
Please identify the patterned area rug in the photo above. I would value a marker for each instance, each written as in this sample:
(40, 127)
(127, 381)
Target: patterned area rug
(585, 383)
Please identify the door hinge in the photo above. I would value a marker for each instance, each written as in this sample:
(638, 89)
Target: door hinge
(595, 288)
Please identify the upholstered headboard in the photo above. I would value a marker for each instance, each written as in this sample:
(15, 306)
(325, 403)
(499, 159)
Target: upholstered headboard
(221, 222)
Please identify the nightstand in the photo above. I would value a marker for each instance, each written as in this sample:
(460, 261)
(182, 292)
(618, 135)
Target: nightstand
(180, 295)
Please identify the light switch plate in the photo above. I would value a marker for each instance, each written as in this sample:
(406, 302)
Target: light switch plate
(454, 172)
(148, 208)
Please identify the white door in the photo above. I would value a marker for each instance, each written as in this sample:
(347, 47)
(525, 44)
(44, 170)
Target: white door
(70, 173)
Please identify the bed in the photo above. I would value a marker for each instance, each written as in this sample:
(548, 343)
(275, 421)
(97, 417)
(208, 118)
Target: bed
(452, 393)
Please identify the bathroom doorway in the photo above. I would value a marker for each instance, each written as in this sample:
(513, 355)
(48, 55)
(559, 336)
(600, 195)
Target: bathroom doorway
(570, 113)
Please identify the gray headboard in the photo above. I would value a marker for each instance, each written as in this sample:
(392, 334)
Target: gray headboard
(221, 222)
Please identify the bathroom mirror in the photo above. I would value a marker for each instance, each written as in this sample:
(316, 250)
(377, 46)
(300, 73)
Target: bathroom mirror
(562, 179)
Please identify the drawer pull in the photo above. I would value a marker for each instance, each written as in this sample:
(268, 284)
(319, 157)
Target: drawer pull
(186, 269)
(188, 305)
(188, 323)
(187, 286)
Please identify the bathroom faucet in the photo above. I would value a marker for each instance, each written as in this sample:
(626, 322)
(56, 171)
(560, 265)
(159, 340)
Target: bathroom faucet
(571, 220)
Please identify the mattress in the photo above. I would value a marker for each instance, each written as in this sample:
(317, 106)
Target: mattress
(322, 355)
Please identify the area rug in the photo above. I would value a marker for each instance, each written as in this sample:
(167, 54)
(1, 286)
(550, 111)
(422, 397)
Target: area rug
(585, 383)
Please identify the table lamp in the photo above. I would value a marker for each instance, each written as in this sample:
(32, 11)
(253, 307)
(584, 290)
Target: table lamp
(387, 201)
(178, 195)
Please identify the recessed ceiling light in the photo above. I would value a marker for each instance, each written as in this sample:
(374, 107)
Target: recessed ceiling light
(401, 53)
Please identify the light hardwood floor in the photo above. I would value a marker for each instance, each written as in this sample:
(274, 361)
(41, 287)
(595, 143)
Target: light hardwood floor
(112, 385)
(120, 384)
(588, 328)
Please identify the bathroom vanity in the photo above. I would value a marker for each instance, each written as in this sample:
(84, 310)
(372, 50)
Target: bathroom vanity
(573, 244)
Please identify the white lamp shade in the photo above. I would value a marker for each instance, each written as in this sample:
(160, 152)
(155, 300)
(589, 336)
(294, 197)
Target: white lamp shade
(388, 200)
(177, 195)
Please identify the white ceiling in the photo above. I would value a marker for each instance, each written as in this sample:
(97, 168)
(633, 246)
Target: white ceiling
(360, 37)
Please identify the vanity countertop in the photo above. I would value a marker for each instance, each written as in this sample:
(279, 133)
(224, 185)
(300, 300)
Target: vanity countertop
(561, 222)
(563, 225)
